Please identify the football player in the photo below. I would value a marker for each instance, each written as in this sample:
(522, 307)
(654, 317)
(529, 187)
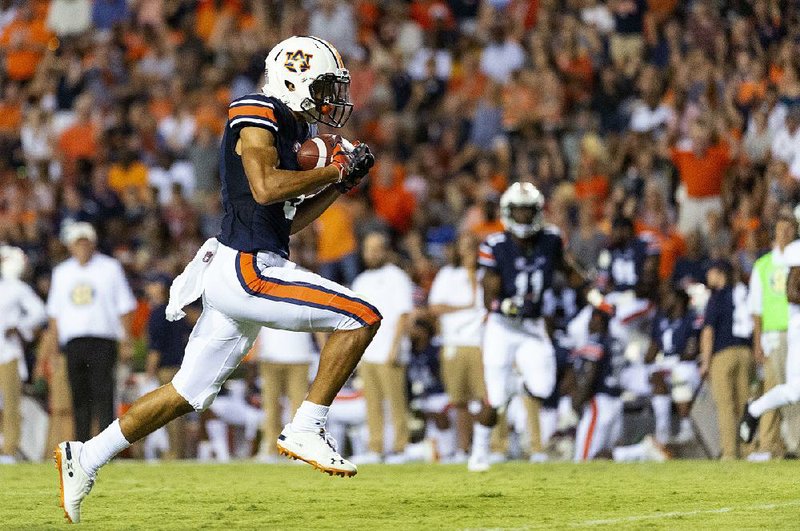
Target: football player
(788, 392)
(519, 264)
(244, 275)
(596, 366)
(674, 373)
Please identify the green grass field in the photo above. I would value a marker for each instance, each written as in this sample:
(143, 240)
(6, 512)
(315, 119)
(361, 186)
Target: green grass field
(686, 494)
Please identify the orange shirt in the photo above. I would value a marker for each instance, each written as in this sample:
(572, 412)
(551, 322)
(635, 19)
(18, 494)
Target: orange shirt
(24, 43)
(595, 189)
(134, 176)
(702, 175)
(671, 247)
(393, 203)
(335, 236)
(78, 142)
(10, 118)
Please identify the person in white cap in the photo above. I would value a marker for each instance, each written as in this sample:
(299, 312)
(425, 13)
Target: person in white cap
(90, 305)
(21, 313)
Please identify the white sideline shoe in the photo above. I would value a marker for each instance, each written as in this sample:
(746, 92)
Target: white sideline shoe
(654, 451)
(478, 462)
(74, 482)
(318, 449)
(369, 458)
(539, 457)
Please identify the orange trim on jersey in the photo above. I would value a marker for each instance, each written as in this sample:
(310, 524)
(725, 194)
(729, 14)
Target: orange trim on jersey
(485, 255)
(308, 294)
(590, 434)
(251, 110)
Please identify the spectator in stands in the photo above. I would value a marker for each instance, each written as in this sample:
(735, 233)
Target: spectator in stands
(725, 352)
(382, 368)
(90, 305)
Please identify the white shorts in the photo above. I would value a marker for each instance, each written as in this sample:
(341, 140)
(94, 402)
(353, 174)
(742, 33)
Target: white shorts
(507, 343)
(600, 426)
(242, 293)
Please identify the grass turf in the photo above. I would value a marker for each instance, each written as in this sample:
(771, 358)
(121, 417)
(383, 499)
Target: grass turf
(678, 494)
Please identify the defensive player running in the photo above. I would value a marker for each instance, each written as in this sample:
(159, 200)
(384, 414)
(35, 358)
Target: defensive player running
(245, 277)
(518, 267)
(789, 392)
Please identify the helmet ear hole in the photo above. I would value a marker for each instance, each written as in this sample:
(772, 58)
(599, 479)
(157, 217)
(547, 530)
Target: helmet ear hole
(290, 86)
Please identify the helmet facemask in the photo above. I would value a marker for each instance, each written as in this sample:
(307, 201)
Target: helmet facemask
(523, 220)
(330, 99)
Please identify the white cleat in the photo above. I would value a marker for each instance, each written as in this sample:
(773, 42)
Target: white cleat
(478, 462)
(74, 482)
(655, 451)
(318, 449)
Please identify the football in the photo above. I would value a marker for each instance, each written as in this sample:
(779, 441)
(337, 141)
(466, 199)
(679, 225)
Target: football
(316, 152)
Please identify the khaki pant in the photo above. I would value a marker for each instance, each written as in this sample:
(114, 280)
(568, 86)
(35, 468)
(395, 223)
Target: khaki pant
(462, 374)
(729, 377)
(11, 389)
(62, 426)
(278, 380)
(626, 49)
(176, 429)
(382, 383)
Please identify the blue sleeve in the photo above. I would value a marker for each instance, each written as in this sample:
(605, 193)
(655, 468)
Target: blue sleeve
(156, 330)
(712, 311)
(253, 110)
(655, 331)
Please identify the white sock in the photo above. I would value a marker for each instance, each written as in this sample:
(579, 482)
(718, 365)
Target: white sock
(217, 432)
(627, 454)
(310, 417)
(565, 406)
(778, 396)
(481, 435)
(99, 450)
(686, 425)
(662, 410)
(548, 423)
(445, 439)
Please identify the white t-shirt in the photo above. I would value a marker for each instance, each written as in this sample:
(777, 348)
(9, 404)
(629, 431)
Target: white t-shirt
(88, 301)
(390, 289)
(452, 287)
(285, 346)
(785, 145)
(791, 257)
(22, 309)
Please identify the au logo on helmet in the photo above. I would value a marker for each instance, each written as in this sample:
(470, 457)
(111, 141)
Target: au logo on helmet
(298, 61)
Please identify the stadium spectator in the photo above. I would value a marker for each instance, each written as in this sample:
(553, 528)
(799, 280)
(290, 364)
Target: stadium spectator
(456, 298)
(21, 315)
(770, 310)
(90, 305)
(382, 368)
(725, 352)
(166, 341)
(284, 362)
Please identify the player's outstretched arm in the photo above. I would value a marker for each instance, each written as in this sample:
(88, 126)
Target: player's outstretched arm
(269, 184)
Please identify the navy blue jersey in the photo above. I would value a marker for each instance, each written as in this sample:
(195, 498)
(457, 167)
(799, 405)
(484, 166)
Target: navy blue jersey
(620, 268)
(422, 373)
(672, 336)
(246, 225)
(728, 314)
(525, 274)
(607, 354)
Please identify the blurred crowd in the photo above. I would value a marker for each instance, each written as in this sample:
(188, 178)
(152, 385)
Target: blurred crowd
(682, 117)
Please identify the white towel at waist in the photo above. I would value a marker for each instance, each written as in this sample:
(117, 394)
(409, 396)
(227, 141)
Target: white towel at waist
(188, 286)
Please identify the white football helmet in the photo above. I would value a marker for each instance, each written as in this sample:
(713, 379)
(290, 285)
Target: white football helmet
(12, 262)
(308, 75)
(522, 195)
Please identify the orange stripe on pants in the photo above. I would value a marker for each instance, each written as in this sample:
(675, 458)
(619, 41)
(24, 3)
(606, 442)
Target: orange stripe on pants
(590, 433)
(302, 293)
